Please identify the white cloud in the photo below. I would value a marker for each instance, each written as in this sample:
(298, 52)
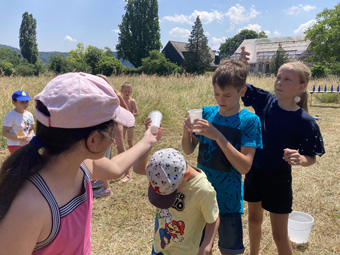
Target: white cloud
(255, 27)
(116, 30)
(70, 39)
(215, 43)
(303, 27)
(180, 32)
(178, 19)
(205, 17)
(295, 10)
(238, 14)
(277, 33)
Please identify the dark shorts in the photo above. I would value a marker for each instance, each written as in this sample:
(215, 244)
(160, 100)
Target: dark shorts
(230, 233)
(274, 191)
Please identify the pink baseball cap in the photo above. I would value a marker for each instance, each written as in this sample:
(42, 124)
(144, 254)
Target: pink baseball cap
(80, 100)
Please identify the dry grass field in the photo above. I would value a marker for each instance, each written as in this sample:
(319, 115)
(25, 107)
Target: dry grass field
(123, 223)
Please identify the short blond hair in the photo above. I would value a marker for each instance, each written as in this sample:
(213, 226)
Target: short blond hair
(126, 85)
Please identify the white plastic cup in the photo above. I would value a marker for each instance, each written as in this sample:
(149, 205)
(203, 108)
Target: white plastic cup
(249, 47)
(195, 114)
(299, 226)
(156, 117)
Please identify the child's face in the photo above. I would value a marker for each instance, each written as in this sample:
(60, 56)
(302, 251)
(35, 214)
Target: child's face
(287, 84)
(20, 106)
(126, 91)
(228, 98)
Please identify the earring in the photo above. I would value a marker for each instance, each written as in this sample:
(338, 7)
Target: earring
(297, 99)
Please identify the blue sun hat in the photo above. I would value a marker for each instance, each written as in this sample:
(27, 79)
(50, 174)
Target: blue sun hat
(165, 173)
(21, 95)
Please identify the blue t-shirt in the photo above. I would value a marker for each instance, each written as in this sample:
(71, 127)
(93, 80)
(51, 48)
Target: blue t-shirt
(281, 129)
(241, 129)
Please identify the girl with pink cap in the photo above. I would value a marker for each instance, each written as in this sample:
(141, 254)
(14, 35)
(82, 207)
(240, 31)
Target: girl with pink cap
(45, 190)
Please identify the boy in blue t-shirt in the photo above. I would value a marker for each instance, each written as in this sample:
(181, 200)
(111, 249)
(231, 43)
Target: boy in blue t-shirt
(228, 138)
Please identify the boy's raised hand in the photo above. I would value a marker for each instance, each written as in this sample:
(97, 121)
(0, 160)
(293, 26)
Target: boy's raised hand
(244, 55)
(206, 129)
(187, 126)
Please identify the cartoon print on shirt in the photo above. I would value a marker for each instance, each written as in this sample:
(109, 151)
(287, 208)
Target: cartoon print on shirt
(172, 228)
(27, 126)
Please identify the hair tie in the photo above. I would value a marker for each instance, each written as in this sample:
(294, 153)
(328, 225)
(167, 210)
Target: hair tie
(36, 142)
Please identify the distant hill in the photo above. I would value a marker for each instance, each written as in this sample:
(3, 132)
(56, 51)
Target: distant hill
(44, 55)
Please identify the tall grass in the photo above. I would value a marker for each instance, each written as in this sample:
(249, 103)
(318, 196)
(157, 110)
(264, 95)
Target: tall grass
(123, 223)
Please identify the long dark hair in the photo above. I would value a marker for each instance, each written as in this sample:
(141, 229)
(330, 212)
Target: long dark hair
(29, 159)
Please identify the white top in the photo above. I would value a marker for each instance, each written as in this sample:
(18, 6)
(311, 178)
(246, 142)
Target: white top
(19, 124)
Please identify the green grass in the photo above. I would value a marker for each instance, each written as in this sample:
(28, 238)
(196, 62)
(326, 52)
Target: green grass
(123, 223)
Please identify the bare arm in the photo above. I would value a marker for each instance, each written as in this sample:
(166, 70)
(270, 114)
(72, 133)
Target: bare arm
(7, 134)
(121, 100)
(140, 165)
(27, 222)
(189, 141)
(106, 169)
(209, 236)
(293, 157)
(31, 129)
(134, 108)
(241, 160)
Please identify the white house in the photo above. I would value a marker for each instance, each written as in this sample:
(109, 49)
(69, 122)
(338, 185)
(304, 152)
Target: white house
(262, 51)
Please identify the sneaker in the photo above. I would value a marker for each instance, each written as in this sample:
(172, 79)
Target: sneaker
(97, 184)
(102, 192)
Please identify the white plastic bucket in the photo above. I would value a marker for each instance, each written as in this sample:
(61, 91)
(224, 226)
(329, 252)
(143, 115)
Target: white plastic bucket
(299, 226)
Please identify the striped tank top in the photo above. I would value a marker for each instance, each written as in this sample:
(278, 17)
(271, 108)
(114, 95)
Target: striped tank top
(71, 223)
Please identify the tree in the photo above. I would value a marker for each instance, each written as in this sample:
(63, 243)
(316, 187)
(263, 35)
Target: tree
(231, 44)
(139, 31)
(280, 57)
(92, 57)
(27, 39)
(57, 63)
(158, 64)
(324, 36)
(76, 59)
(10, 56)
(108, 52)
(108, 65)
(198, 57)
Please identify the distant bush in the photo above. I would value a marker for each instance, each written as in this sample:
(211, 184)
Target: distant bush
(108, 65)
(25, 68)
(6, 68)
(319, 71)
(158, 64)
(58, 64)
(328, 98)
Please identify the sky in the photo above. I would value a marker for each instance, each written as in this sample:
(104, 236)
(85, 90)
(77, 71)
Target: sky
(62, 24)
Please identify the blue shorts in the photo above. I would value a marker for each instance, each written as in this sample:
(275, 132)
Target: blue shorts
(230, 233)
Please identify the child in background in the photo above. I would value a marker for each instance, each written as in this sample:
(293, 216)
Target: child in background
(186, 204)
(228, 138)
(290, 137)
(45, 188)
(126, 91)
(18, 126)
(102, 188)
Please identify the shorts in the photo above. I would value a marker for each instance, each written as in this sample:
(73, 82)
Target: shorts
(230, 233)
(13, 148)
(274, 191)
